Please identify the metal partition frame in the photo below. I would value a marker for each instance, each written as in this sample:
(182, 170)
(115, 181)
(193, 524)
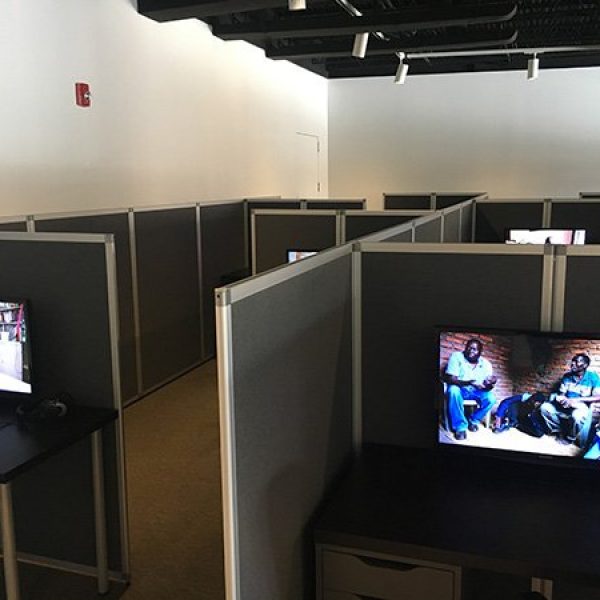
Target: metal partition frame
(225, 299)
(107, 241)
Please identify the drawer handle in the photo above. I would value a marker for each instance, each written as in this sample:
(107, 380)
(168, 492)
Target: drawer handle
(387, 564)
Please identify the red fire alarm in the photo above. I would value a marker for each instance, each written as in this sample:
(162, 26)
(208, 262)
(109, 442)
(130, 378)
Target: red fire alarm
(83, 96)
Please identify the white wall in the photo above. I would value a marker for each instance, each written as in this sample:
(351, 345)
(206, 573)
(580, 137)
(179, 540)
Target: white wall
(491, 132)
(177, 115)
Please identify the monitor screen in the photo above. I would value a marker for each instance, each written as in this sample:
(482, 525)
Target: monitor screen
(545, 236)
(519, 392)
(15, 348)
(294, 255)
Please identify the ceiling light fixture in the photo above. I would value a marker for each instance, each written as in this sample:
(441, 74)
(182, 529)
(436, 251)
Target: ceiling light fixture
(402, 71)
(533, 67)
(297, 4)
(360, 45)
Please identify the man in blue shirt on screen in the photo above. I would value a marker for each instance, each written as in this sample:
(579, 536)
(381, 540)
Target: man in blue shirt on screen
(469, 377)
(568, 414)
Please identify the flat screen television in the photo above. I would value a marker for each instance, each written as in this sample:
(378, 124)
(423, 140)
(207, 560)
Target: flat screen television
(519, 393)
(294, 255)
(15, 347)
(545, 236)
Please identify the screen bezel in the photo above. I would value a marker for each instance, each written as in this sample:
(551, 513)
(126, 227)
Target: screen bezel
(14, 394)
(466, 451)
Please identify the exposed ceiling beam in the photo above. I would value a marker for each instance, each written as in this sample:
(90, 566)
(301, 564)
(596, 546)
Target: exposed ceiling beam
(171, 10)
(341, 48)
(387, 22)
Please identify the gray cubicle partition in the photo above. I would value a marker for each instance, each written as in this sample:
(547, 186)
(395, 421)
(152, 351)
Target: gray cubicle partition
(408, 290)
(585, 195)
(70, 283)
(452, 226)
(334, 204)
(168, 285)
(274, 232)
(429, 229)
(577, 286)
(357, 225)
(10, 224)
(224, 259)
(577, 214)
(117, 223)
(400, 201)
(495, 216)
(285, 389)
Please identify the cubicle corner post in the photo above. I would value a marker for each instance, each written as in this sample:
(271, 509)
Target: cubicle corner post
(136, 300)
(547, 212)
(357, 348)
(340, 227)
(559, 285)
(113, 316)
(253, 241)
(433, 201)
(30, 222)
(227, 428)
(546, 299)
(203, 356)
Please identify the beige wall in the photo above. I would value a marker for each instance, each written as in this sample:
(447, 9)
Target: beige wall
(177, 115)
(490, 132)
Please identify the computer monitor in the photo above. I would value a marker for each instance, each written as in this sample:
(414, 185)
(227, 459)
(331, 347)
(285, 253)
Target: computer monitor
(294, 255)
(15, 347)
(546, 236)
(515, 393)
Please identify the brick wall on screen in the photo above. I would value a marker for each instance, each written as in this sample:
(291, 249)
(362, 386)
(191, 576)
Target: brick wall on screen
(496, 348)
(535, 366)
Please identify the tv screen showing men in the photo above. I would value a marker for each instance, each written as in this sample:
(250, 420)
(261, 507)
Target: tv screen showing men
(546, 236)
(15, 355)
(520, 392)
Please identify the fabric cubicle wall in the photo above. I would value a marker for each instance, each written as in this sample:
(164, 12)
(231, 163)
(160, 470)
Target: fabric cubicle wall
(168, 293)
(285, 387)
(274, 232)
(117, 224)
(452, 231)
(225, 258)
(358, 225)
(443, 200)
(70, 283)
(577, 214)
(335, 204)
(494, 217)
(578, 286)
(407, 201)
(408, 290)
(429, 229)
(185, 250)
(13, 225)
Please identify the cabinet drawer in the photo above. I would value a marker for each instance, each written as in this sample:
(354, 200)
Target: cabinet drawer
(385, 579)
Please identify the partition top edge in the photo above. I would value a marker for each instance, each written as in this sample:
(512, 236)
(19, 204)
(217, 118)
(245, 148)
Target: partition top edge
(293, 211)
(76, 215)
(443, 248)
(391, 213)
(262, 281)
(80, 238)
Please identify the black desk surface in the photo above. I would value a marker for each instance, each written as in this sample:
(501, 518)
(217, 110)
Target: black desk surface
(534, 520)
(23, 445)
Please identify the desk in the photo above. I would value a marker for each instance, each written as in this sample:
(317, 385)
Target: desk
(516, 518)
(24, 446)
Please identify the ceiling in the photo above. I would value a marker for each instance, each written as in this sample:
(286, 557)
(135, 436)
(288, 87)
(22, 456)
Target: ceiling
(464, 36)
